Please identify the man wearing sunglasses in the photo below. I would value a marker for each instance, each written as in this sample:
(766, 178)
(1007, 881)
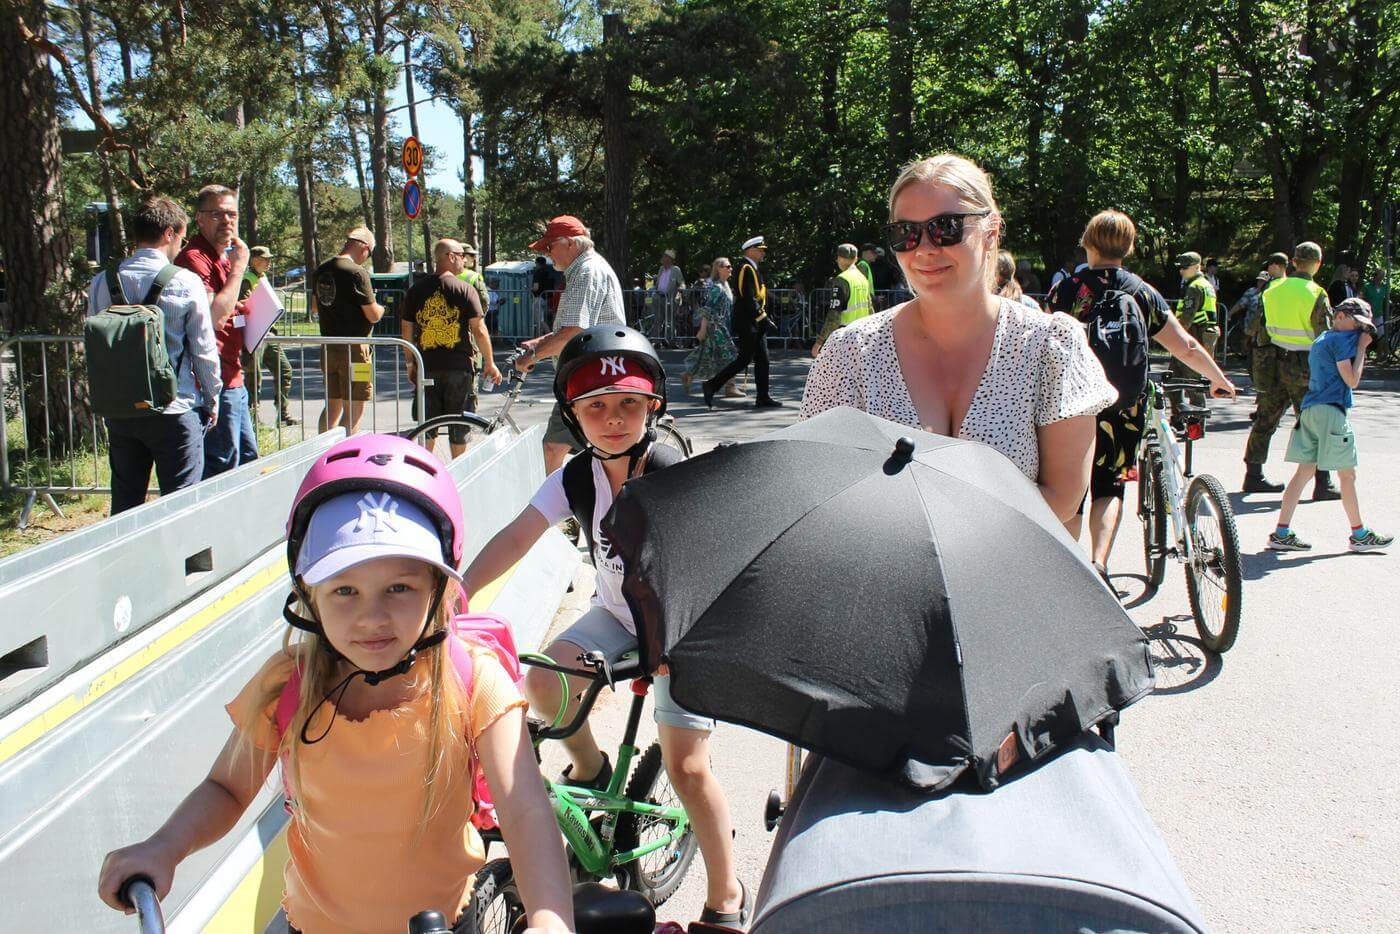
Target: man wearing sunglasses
(748, 322)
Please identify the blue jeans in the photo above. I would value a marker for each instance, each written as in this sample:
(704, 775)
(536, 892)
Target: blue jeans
(170, 443)
(231, 441)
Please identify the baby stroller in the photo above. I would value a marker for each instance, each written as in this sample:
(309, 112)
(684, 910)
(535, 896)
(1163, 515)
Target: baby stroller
(1065, 847)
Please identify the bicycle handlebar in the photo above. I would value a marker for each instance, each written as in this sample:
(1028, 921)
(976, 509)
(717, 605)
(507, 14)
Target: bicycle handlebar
(603, 674)
(139, 892)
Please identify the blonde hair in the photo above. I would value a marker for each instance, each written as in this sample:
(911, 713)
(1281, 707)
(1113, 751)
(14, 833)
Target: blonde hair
(1111, 234)
(320, 673)
(972, 184)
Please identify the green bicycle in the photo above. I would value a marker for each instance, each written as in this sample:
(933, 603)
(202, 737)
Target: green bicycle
(639, 836)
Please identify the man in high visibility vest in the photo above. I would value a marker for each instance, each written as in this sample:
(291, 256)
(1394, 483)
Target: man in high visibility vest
(1197, 313)
(850, 295)
(1296, 310)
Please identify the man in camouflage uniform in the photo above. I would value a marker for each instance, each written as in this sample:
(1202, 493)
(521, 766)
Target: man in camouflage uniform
(1296, 310)
(1197, 313)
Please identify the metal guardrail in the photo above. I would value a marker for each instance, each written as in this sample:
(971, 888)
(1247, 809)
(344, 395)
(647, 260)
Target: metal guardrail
(54, 359)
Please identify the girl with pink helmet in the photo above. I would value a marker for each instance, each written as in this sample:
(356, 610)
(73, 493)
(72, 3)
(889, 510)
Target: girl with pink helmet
(379, 742)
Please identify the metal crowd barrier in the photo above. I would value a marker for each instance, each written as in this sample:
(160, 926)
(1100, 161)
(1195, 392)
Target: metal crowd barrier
(70, 459)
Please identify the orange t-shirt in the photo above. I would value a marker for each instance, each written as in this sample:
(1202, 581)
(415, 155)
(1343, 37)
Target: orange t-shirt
(357, 863)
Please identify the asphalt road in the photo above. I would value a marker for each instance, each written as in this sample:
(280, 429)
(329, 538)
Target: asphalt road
(1271, 772)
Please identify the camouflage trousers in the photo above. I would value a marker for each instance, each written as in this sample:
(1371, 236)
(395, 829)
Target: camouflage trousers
(1263, 368)
(275, 359)
(1206, 335)
(1288, 390)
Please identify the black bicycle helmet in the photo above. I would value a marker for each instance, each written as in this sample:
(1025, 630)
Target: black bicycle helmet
(596, 343)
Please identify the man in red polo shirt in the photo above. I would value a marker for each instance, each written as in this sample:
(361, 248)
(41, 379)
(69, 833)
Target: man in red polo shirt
(219, 258)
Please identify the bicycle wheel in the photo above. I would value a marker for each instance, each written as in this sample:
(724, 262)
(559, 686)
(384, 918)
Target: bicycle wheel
(1152, 510)
(495, 906)
(1214, 576)
(477, 427)
(658, 874)
(668, 434)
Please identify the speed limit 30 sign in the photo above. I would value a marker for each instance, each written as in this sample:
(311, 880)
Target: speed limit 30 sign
(412, 156)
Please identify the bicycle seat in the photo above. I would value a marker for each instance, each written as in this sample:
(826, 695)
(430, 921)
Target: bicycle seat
(601, 910)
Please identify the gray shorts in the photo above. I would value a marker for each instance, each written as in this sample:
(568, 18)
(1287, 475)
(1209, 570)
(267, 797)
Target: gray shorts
(556, 432)
(599, 631)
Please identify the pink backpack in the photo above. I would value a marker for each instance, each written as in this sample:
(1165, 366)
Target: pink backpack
(482, 629)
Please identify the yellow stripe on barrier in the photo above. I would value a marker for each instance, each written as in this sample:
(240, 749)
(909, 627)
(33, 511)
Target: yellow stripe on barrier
(257, 899)
(129, 667)
(123, 671)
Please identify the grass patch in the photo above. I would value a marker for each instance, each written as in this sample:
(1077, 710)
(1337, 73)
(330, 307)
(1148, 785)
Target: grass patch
(79, 509)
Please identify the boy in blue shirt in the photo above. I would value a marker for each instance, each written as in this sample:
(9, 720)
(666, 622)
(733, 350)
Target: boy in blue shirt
(1323, 438)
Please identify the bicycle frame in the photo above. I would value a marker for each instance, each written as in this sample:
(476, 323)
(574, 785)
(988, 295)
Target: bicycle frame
(575, 808)
(1159, 432)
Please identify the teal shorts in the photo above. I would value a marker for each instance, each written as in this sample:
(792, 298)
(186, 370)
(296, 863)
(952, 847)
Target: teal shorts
(1323, 436)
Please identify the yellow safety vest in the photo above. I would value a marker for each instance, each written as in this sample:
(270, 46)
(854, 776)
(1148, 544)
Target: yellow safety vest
(1205, 315)
(858, 306)
(1288, 308)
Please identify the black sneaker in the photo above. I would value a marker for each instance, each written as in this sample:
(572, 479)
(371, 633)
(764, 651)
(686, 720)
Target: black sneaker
(768, 402)
(1324, 493)
(1289, 542)
(598, 782)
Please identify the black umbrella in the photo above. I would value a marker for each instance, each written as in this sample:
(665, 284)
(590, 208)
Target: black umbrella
(900, 601)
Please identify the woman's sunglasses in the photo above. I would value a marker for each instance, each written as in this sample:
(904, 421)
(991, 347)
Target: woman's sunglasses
(943, 230)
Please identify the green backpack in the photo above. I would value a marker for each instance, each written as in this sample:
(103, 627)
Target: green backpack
(129, 371)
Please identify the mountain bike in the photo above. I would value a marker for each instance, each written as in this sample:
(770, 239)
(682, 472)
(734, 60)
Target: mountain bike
(639, 835)
(479, 426)
(1194, 523)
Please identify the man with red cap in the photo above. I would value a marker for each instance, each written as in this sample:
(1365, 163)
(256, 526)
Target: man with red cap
(592, 296)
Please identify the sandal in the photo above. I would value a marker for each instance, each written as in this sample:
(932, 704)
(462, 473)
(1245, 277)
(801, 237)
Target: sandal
(735, 919)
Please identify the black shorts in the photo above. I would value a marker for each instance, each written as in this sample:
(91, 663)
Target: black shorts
(1119, 431)
(450, 393)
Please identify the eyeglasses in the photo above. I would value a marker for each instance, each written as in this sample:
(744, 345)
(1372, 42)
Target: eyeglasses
(223, 215)
(942, 230)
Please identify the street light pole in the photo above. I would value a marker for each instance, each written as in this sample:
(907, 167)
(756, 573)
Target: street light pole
(413, 126)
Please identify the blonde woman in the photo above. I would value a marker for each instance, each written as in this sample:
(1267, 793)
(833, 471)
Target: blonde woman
(958, 359)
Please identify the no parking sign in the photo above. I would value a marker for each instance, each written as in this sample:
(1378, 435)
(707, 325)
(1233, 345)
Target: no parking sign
(412, 199)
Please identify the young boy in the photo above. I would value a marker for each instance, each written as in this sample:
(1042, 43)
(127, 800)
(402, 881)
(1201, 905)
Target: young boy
(1323, 438)
(610, 387)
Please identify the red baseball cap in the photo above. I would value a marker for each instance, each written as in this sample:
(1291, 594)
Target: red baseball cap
(607, 374)
(565, 225)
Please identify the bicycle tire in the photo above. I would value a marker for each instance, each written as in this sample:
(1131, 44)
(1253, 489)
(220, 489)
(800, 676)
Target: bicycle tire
(1221, 557)
(496, 906)
(1152, 510)
(668, 434)
(650, 783)
(478, 427)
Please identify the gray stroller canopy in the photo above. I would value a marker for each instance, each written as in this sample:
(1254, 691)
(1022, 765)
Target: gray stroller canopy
(1067, 847)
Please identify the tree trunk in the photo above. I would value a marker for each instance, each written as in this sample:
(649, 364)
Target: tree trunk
(901, 78)
(490, 154)
(617, 146)
(1181, 159)
(109, 190)
(354, 134)
(468, 183)
(1076, 130)
(378, 113)
(33, 239)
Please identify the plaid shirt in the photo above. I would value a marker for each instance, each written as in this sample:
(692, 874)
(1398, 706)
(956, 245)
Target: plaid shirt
(592, 294)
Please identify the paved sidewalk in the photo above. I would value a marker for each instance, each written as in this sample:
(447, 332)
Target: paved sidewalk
(1271, 772)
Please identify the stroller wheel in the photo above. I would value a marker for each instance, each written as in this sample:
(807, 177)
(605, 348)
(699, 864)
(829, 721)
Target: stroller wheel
(773, 811)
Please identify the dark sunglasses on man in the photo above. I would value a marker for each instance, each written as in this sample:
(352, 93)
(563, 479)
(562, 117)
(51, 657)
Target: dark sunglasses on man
(942, 230)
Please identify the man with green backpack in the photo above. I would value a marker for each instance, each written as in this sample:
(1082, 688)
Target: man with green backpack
(153, 364)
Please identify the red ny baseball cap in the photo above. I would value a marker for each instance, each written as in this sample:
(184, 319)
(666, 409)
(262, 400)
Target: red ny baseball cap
(606, 374)
(565, 225)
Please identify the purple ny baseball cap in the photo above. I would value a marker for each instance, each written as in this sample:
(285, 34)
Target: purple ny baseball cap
(353, 528)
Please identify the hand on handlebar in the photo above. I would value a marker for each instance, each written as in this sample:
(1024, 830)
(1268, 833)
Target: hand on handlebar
(1222, 389)
(140, 859)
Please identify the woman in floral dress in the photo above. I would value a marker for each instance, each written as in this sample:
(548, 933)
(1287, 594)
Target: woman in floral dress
(714, 349)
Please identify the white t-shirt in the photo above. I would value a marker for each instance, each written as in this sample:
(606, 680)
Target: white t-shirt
(551, 502)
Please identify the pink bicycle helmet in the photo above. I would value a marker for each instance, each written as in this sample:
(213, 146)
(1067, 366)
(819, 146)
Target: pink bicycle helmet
(385, 463)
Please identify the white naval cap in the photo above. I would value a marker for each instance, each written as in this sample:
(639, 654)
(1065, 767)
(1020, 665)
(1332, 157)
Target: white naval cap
(753, 242)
